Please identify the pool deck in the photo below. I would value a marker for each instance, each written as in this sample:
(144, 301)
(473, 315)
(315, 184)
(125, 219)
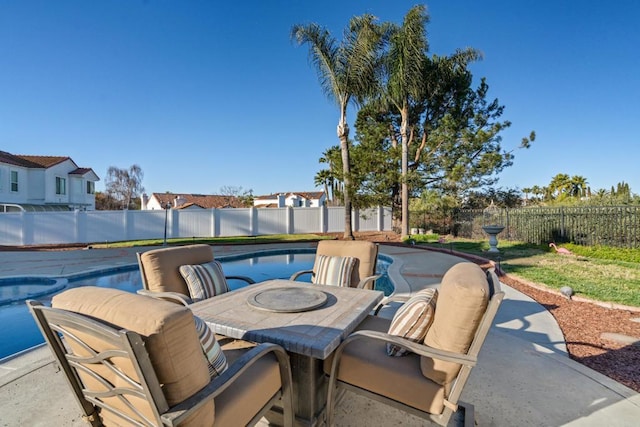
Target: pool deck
(524, 376)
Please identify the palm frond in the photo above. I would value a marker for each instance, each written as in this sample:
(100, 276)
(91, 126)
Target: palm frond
(405, 59)
(323, 54)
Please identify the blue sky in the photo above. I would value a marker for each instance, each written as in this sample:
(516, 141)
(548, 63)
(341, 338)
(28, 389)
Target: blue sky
(205, 94)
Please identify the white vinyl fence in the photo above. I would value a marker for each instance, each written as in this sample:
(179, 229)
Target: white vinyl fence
(44, 228)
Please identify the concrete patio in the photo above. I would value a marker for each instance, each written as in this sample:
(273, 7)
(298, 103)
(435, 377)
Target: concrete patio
(524, 376)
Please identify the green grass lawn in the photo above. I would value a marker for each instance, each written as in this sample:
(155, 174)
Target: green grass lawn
(600, 273)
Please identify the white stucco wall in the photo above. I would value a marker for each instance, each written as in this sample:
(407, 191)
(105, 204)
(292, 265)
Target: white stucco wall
(153, 204)
(60, 170)
(8, 196)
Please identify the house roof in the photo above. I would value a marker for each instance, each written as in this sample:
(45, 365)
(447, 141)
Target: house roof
(80, 171)
(205, 201)
(12, 159)
(40, 162)
(311, 195)
(44, 161)
(83, 172)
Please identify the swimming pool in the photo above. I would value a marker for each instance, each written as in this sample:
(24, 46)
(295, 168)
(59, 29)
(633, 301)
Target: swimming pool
(19, 332)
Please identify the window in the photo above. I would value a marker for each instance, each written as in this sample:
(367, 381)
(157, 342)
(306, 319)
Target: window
(14, 181)
(91, 187)
(61, 185)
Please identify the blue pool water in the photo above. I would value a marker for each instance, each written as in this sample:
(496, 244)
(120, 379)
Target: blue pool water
(19, 332)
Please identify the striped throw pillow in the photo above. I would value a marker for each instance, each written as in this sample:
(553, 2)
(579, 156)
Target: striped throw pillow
(413, 319)
(216, 360)
(204, 280)
(333, 270)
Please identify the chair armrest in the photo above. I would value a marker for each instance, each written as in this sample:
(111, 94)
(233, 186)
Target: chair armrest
(370, 279)
(174, 297)
(294, 276)
(387, 300)
(247, 279)
(176, 414)
(420, 349)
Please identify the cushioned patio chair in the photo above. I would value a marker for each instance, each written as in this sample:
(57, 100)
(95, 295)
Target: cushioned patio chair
(344, 263)
(428, 379)
(132, 360)
(162, 277)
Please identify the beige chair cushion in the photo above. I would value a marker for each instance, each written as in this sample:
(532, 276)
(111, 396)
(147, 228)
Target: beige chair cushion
(365, 364)
(413, 319)
(170, 338)
(366, 252)
(249, 393)
(162, 266)
(462, 302)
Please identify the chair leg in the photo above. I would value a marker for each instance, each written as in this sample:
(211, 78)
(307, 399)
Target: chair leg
(331, 401)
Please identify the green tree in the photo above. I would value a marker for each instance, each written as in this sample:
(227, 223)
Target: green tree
(460, 146)
(433, 210)
(404, 65)
(559, 186)
(347, 74)
(503, 198)
(526, 191)
(443, 130)
(578, 186)
(329, 178)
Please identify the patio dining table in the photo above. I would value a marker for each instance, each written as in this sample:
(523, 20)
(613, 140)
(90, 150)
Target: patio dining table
(309, 321)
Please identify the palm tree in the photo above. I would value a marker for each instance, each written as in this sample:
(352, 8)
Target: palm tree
(526, 192)
(347, 74)
(578, 186)
(323, 178)
(560, 184)
(404, 67)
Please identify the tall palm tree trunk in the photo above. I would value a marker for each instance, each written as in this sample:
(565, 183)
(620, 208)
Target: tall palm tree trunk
(343, 135)
(405, 170)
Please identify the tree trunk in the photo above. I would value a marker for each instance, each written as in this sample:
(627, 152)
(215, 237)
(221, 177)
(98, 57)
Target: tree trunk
(343, 135)
(405, 166)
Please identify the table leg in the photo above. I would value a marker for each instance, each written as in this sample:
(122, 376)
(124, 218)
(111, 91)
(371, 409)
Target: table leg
(309, 391)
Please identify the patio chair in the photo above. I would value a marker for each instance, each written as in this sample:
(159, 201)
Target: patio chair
(428, 380)
(344, 263)
(139, 361)
(161, 277)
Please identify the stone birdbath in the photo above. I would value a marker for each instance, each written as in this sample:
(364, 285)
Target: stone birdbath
(492, 225)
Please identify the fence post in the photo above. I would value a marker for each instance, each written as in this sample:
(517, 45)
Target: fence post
(174, 224)
(253, 221)
(562, 230)
(324, 219)
(23, 231)
(289, 220)
(213, 231)
(380, 218)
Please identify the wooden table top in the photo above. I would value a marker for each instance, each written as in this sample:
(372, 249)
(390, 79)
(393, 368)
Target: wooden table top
(315, 333)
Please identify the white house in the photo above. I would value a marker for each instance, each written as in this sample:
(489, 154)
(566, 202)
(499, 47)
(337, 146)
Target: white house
(309, 199)
(45, 183)
(188, 201)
